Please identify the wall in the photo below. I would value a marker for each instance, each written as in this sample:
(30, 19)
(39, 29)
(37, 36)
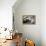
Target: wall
(6, 13)
(43, 22)
(28, 7)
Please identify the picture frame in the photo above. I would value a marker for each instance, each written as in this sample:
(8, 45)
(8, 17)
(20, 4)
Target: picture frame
(29, 19)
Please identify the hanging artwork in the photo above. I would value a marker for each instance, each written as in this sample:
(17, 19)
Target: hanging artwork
(29, 19)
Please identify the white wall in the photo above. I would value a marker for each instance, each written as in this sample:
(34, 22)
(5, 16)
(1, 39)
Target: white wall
(38, 31)
(29, 7)
(43, 22)
(6, 13)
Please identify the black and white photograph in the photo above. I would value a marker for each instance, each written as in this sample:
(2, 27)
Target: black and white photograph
(29, 19)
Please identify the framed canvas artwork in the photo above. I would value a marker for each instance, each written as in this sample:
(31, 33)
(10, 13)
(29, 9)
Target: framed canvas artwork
(29, 19)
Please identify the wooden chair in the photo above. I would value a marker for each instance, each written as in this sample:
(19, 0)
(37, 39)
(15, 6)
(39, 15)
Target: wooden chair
(18, 37)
